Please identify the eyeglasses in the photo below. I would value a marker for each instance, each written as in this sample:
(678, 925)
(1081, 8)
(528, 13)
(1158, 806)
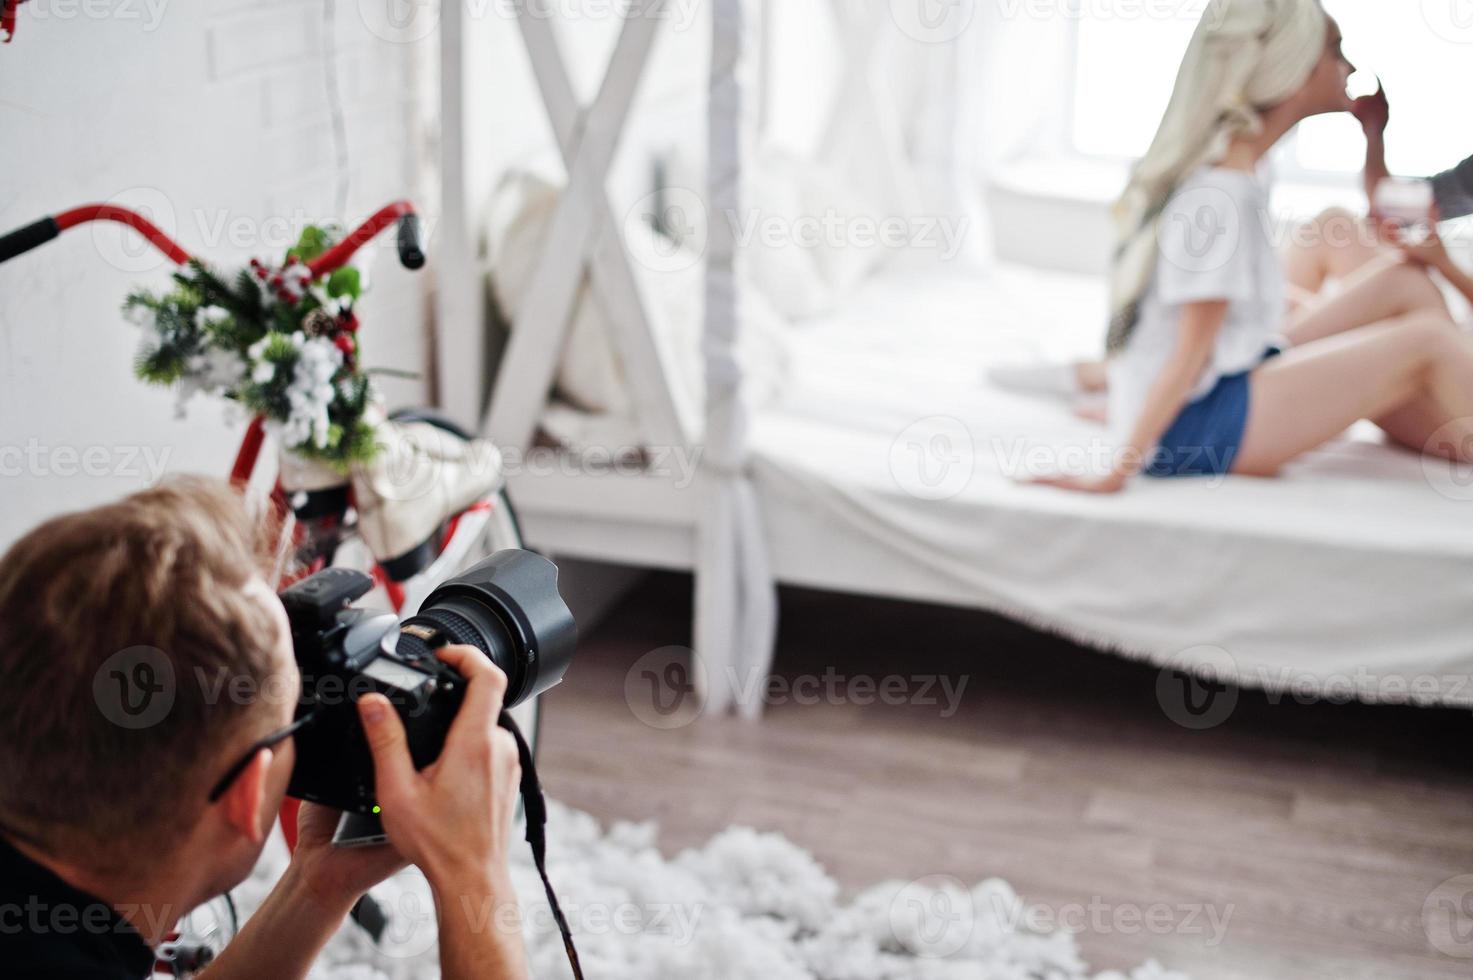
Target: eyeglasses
(306, 714)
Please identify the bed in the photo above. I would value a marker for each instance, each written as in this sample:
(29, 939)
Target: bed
(872, 457)
(1351, 576)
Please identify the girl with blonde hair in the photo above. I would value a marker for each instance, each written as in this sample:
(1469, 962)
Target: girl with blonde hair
(1197, 381)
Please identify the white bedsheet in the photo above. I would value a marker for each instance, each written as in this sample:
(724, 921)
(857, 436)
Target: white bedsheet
(1350, 574)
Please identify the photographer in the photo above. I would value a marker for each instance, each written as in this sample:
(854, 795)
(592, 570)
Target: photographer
(115, 625)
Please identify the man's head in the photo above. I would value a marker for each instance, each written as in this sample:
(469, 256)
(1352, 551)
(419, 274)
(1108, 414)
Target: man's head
(141, 653)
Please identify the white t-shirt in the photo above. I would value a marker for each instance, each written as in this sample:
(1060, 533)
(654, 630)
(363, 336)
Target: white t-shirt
(1216, 244)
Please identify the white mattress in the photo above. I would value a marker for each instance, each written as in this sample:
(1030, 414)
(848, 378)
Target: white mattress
(1350, 574)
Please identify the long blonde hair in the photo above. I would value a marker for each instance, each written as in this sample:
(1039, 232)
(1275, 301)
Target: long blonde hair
(1245, 54)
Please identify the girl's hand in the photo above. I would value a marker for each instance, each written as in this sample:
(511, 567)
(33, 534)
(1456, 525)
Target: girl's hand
(1109, 483)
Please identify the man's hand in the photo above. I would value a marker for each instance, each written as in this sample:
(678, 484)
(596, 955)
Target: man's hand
(456, 815)
(454, 818)
(1373, 112)
(307, 905)
(1430, 251)
(338, 874)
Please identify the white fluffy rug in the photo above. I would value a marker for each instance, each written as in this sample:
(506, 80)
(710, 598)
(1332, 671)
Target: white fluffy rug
(746, 906)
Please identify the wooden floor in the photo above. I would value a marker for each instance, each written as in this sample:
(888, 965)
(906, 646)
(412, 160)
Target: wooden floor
(1320, 830)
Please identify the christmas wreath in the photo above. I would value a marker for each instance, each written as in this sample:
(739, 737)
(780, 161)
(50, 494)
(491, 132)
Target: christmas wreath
(272, 339)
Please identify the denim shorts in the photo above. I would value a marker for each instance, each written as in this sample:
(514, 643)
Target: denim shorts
(1204, 439)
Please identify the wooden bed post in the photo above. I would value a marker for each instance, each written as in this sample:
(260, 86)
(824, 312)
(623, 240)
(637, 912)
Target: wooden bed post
(459, 338)
(584, 236)
(736, 599)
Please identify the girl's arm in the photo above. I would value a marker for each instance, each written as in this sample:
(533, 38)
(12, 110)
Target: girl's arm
(1200, 323)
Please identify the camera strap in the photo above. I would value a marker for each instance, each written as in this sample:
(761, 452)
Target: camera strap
(534, 810)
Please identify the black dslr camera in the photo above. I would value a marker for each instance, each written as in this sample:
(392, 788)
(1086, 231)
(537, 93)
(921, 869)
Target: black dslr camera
(507, 606)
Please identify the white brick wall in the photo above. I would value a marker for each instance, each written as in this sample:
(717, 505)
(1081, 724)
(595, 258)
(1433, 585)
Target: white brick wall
(213, 113)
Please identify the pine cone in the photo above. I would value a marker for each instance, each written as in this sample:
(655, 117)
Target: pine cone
(319, 323)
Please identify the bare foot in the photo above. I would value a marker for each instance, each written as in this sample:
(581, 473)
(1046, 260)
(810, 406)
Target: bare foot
(1092, 376)
(1093, 410)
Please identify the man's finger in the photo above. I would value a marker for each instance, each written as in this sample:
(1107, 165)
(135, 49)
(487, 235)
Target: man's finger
(485, 689)
(393, 769)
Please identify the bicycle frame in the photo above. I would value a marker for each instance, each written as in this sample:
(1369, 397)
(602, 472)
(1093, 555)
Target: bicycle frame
(7, 18)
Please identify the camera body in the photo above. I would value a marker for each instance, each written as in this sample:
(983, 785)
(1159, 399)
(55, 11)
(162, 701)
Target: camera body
(507, 606)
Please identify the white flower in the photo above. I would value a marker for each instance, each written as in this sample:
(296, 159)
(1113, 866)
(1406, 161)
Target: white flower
(263, 372)
(310, 393)
(218, 369)
(208, 316)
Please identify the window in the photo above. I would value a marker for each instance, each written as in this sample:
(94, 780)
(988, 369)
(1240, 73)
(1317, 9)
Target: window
(1126, 66)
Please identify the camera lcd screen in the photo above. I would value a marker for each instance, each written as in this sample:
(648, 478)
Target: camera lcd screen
(395, 674)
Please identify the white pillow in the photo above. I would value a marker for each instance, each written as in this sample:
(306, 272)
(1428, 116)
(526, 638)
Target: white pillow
(672, 286)
(588, 374)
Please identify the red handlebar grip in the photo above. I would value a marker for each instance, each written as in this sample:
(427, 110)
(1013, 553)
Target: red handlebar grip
(134, 220)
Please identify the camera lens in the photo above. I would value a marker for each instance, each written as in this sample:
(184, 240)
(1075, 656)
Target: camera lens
(508, 607)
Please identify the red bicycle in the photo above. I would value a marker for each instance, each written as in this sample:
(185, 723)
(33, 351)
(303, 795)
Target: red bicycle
(318, 529)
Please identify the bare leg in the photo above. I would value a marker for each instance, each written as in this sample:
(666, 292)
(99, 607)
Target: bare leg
(1383, 292)
(1334, 245)
(1313, 393)
(1380, 293)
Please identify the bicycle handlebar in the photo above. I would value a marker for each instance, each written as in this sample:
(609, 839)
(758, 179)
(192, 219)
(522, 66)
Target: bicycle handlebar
(38, 233)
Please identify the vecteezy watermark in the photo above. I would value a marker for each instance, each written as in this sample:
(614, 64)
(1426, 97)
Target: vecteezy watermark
(37, 459)
(935, 917)
(676, 922)
(35, 916)
(1201, 230)
(1451, 20)
(1198, 688)
(933, 21)
(1447, 917)
(411, 475)
(1360, 684)
(668, 688)
(414, 928)
(682, 218)
(1021, 458)
(147, 14)
(1098, 10)
(836, 229)
(933, 458)
(135, 687)
(407, 21)
(943, 21)
(1446, 459)
(211, 230)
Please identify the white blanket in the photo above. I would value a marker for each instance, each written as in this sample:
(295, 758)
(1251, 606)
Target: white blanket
(1350, 575)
